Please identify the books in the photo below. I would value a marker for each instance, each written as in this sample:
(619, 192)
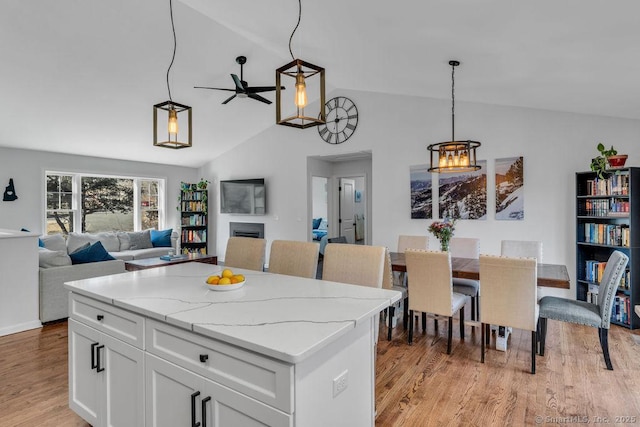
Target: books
(173, 257)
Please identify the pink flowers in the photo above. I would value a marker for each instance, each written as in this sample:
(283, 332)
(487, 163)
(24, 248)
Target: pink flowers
(443, 232)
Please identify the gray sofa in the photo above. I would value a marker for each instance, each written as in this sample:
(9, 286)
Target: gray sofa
(56, 267)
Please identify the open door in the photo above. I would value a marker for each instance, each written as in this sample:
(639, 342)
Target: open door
(347, 209)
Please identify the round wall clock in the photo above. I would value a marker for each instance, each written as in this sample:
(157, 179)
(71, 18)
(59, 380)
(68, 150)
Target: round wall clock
(342, 119)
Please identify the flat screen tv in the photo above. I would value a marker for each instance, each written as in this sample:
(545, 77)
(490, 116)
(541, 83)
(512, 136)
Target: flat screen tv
(243, 196)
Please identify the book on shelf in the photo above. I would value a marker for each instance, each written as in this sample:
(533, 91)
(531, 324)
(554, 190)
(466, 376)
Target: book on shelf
(606, 234)
(617, 184)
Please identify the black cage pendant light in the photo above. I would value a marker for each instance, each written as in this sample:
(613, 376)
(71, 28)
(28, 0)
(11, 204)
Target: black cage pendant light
(306, 75)
(178, 124)
(453, 156)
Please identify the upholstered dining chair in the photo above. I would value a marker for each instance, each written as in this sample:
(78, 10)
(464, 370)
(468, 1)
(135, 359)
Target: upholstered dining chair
(411, 242)
(466, 247)
(522, 249)
(585, 313)
(387, 283)
(294, 258)
(509, 297)
(356, 265)
(431, 289)
(245, 252)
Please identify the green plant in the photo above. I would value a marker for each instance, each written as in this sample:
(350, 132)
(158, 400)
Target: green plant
(599, 163)
(202, 185)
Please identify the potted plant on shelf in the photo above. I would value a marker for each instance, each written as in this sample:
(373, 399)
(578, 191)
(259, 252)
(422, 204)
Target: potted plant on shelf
(608, 159)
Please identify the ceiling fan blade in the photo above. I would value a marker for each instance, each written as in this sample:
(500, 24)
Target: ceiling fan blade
(228, 99)
(258, 98)
(238, 82)
(256, 89)
(215, 88)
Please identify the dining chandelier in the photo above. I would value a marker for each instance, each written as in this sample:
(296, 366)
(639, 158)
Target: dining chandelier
(306, 76)
(453, 156)
(178, 115)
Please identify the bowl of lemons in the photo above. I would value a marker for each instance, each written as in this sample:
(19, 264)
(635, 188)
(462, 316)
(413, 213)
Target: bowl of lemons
(226, 281)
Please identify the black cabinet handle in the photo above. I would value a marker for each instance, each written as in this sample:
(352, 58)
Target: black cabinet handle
(204, 410)
(100, 317)
(193, 409)
(204, 357)
(94, 365)
(98, 367)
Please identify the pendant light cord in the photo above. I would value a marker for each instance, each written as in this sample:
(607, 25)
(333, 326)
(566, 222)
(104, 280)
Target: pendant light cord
(453, 104)
(175, 44)
(294, 30)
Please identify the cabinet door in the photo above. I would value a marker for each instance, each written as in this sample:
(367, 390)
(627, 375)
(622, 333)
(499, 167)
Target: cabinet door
(169, 391)
(84, 394)
(123, 383)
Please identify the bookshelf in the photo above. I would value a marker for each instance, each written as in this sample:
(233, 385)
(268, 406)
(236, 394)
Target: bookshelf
(608, 219)
(193, 219)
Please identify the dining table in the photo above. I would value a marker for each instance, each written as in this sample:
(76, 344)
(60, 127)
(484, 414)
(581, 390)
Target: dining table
(549, 275)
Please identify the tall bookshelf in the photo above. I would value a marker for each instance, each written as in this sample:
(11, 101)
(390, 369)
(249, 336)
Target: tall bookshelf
(608, 219)
(193, 219)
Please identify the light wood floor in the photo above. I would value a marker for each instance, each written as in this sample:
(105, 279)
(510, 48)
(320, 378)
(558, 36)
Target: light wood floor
(418, 385)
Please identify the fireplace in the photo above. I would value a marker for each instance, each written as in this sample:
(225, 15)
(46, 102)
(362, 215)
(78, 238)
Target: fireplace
(246, 229)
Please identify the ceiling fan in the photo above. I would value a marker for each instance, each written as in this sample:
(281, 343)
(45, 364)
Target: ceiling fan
(242, 89)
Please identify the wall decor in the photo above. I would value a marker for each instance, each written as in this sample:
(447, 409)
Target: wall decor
(357, 196)
(10, 192)
(510, 188)
(421, 192)
(464, 195)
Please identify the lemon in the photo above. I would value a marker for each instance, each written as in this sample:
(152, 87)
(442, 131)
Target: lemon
(213, 280)
(224, 281)
(239, 278)
(234, 280)
(227, 273)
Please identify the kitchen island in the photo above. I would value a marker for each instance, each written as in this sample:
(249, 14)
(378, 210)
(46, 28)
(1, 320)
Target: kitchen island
(160, 348)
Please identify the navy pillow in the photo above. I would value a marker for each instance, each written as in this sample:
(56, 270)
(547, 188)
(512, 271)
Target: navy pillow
(94, 253)
(40, 243)
(316, 223)
(161, 238)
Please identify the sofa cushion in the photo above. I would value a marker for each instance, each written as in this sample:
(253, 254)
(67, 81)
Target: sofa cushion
(94, 253)
(161, 238)
(54, 242)
(108, 239)
(140, 240)
(49, 258)
(125, 241)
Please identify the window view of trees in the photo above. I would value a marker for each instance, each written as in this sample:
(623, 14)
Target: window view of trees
(101, 203)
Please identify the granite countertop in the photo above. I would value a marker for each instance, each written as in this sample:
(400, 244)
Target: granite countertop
(284, 317)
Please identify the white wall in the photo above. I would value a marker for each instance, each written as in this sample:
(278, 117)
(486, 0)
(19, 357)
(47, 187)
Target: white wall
(320, 196)
(27, 168)
(397, 129)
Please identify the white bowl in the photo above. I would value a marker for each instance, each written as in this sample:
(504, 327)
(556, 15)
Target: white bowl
(222, 288)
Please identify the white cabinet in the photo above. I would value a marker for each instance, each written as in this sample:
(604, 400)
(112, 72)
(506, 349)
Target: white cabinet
(177, 397)
(106, 378)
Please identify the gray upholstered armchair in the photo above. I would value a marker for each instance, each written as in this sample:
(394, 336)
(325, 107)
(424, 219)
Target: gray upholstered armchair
(584, 313)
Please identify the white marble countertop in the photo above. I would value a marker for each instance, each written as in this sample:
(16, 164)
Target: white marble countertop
(284, 317)
(12, 234)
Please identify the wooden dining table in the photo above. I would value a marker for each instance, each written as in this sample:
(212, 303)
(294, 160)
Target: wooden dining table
(549, 275)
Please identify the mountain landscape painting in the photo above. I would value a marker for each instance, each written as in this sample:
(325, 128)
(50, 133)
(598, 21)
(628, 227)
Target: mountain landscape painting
(421, 192)
(464, 195)
(510, 188)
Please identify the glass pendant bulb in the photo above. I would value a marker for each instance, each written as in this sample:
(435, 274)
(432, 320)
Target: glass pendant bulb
(301, 91)
(173, 122)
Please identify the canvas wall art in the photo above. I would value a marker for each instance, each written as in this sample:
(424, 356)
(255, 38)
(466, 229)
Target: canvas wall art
(421, 192)
(510, 188)
(464, 195)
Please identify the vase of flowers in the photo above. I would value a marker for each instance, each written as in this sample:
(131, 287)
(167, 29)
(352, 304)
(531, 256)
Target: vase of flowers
(443, 232)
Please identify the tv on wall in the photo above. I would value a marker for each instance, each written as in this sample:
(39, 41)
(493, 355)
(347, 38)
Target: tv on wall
(243, 196)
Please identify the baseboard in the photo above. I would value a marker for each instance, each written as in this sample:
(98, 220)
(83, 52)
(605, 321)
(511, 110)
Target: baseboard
(34, 324)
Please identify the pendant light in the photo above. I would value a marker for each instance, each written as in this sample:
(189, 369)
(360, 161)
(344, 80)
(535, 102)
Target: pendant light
(306, 75)
(453, 156)
(177, 136)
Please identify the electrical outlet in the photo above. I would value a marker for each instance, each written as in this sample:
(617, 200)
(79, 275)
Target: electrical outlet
(340, 383)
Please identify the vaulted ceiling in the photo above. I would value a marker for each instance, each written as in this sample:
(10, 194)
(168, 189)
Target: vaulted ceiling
(81, 76)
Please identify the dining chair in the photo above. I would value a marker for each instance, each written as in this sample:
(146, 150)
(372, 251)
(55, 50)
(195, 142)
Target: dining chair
(585, 313)
(245, 252)
(411, 242)
(388, 283)
(466, 247)
(356, 265)
(294, 258)
(509, 297)
(431, 289)
(522, 249)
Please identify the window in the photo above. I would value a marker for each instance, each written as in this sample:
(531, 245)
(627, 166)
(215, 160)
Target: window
(91, 204)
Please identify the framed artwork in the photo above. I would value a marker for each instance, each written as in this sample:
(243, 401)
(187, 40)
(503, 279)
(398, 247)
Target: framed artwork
(357, 195)
(464, 195)
(510, 188)
(421, 192)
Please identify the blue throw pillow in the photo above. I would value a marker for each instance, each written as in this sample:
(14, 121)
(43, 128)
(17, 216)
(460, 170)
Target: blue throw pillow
(161, 238)
(94, 253)
(316, 223)
(40, 243)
